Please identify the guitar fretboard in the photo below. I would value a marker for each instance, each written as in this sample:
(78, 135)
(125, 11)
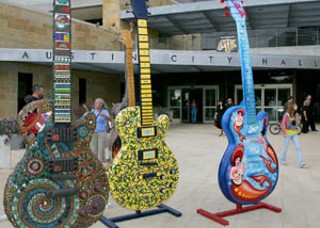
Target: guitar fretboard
(246, 71)
(145, 77)
(130, 93)
(61, 61)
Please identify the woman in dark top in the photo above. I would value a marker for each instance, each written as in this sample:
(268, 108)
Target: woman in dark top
(220, 109)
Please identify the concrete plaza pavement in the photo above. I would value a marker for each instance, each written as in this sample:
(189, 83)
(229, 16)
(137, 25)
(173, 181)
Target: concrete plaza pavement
(199, 149)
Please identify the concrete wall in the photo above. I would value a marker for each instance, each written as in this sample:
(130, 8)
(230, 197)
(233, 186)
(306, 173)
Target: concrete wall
(295, 50)
(102, 85)
(24, 28)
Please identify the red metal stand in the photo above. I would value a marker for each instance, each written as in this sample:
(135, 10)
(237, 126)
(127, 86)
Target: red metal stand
(218, 217)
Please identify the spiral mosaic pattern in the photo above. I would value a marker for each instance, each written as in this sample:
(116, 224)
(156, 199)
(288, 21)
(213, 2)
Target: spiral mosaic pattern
(35, 209)
(26, 199)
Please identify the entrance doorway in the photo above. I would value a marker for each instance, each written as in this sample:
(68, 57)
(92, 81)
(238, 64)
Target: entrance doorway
(24, 88)
(188, 95)
(180, 98)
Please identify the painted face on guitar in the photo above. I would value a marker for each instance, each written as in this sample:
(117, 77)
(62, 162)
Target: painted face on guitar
(248, 171)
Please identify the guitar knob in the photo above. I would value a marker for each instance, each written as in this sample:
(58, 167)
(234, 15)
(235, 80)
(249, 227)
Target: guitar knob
(173, 171)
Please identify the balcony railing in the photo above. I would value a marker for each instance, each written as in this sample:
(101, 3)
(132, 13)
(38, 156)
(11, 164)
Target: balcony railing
(257, 39)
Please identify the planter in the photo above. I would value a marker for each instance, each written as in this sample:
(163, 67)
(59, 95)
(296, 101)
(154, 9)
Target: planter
(16, 142)
(5, 152)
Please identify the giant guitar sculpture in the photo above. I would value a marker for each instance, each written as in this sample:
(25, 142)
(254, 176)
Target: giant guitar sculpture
(145, 172)
(248, 171)
(59, 182)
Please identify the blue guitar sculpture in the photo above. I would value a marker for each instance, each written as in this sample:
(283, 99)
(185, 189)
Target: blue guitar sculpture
(248, 171)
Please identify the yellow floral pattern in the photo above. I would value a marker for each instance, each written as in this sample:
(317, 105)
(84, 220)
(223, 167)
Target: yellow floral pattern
(127, 184)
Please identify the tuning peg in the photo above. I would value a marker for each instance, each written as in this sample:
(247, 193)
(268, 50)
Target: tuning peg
(221, 1)
(227, 14)
(226, 8)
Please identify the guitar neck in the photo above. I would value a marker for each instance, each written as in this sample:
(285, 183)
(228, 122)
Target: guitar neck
(61, 62)
(145, 74)
(126, 34)
(246, 71)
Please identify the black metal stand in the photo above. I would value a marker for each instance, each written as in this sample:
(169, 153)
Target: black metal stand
(110, 222)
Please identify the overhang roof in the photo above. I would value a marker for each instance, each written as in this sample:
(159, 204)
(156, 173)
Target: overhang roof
(208, 16)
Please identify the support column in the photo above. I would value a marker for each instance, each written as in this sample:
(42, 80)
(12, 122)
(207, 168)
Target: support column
(111, 13)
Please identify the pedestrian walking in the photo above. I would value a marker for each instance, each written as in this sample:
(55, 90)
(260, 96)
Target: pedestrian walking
(194, 110)
(220, 109)
(290, 123)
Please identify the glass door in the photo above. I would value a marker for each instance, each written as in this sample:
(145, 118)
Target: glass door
(174, 102)
(210, 99)
(269, 98)
(185, 105)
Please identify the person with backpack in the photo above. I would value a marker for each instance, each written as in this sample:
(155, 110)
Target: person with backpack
(99, 141)
(290, 126)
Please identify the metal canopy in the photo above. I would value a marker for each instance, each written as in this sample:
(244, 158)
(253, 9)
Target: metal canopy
(208, 16)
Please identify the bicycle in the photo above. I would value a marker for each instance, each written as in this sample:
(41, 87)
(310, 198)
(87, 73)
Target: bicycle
(275, 128)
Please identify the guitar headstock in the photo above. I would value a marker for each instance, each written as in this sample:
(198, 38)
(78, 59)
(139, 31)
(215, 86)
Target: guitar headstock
(139, 9)
(235, 8)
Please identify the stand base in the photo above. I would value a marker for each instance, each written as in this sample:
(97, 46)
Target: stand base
(110, 222)
(218, 217)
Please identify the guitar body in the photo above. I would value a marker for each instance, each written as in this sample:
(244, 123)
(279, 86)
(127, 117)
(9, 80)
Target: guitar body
(116, 146)
(57, 183)
(139, 182)
(248, 171)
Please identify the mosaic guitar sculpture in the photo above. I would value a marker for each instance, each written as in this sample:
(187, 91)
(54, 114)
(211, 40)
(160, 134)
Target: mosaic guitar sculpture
(248, 171)
(145, 172)
(59, 182)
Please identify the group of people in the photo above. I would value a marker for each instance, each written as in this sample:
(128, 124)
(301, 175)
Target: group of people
(100, 138)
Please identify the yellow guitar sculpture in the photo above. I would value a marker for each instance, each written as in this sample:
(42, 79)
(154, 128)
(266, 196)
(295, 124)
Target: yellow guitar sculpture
(145, 172)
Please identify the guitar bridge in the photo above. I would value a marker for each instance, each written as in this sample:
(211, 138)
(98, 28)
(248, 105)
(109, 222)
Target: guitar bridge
(63, 164)
(62, 134)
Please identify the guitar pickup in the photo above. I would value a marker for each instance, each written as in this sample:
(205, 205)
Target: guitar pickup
(62, 134)
(63, 164)
(63, 192)
(148, 163)
(147, 154)
(64, 177)
(146, 132)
